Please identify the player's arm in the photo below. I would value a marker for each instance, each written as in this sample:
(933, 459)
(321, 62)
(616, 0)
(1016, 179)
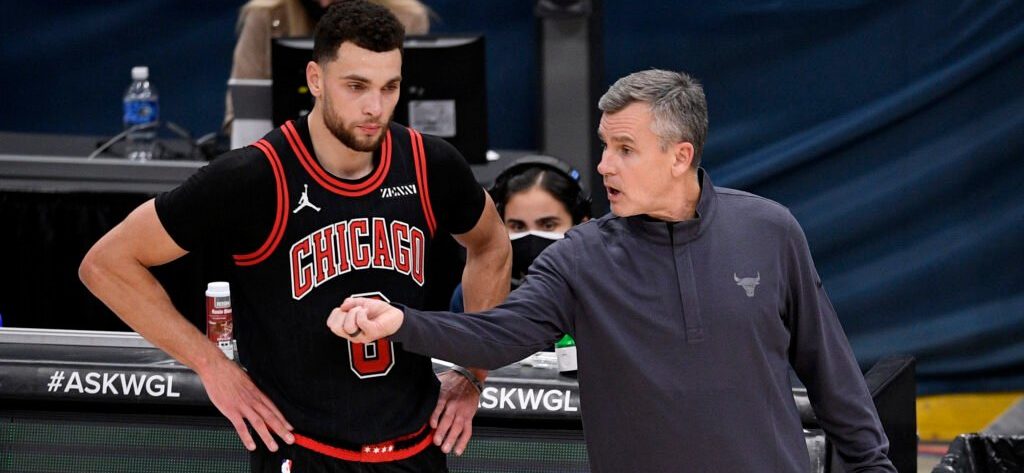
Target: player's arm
(486, 278)
(485, 282)
(469, 215)
(116, 270)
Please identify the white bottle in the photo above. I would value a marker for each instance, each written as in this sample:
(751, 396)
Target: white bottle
(142, 111)
(220, 325)
(565, 351)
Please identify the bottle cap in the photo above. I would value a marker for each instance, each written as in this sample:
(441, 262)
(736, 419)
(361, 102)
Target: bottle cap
(140, 73)
(565, 341)
(218, 289)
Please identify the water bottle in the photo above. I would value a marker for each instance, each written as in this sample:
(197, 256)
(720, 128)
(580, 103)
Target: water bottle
(141, 107)
(565, 351)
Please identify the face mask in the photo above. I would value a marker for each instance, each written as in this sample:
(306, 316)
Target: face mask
(526, 246)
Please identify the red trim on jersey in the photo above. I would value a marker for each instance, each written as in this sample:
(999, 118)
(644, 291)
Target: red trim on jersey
(372, 453)
(281, 216)
(328, 181)
(420, 158)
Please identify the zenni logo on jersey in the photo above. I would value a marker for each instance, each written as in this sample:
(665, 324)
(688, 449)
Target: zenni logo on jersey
(354, 245)
(398, 191)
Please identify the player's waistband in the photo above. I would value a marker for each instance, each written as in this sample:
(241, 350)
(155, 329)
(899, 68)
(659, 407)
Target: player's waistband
(398, 448)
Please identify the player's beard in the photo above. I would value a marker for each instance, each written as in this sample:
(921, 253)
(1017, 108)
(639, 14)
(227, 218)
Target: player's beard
(346, 134)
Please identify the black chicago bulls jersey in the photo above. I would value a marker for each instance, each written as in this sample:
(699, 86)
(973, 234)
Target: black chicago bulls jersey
(324, 239)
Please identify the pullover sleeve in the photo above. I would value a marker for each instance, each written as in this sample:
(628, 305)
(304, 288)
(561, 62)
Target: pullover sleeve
(532, 318)
(821, 356)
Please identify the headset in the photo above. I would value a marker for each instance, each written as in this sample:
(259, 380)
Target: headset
(579, 209)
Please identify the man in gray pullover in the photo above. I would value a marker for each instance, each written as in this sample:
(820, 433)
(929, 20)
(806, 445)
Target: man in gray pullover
(689, 303)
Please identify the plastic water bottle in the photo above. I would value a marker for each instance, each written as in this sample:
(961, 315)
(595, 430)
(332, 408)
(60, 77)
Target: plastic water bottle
(565, 351)
(141, 107)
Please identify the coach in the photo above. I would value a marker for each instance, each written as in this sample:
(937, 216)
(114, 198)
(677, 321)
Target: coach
(689, 304)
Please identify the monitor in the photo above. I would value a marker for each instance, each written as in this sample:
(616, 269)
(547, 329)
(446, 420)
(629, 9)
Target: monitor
(444, 87)
(251, 101)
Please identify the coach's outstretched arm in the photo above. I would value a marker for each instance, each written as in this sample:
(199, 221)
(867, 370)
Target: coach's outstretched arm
(465, 338)
(116, 270)
(532, 318)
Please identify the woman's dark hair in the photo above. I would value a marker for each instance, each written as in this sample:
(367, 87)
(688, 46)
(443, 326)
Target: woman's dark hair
(555, 182)
(367, 25)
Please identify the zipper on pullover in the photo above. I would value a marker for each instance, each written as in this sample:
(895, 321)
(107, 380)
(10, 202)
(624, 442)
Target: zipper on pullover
(686, 286)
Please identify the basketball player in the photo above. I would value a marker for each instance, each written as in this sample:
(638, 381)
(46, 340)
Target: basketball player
(341, 202)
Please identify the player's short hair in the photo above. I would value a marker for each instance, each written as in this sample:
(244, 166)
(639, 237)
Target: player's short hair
(678, 106)
(367, 25)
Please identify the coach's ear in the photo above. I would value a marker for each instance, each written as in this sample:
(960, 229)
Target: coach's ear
(683, 154)
(313, 79)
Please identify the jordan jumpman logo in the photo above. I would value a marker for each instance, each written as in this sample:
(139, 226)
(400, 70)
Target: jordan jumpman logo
(304, 201)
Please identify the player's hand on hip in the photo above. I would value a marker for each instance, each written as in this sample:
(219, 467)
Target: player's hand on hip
(453, 417)
(237, 397)
(363, 320)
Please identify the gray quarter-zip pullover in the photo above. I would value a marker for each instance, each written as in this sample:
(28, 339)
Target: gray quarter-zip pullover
(685, 335)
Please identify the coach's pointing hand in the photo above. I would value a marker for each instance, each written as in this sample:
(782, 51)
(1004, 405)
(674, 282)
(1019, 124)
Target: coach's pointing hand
(362, 320)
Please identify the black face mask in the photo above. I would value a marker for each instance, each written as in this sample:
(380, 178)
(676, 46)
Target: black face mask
(526, 247)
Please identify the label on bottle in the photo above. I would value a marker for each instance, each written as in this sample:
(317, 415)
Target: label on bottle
(137, 112)
(219, 324)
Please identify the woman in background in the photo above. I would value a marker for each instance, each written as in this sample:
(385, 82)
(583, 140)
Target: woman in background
(539, 198)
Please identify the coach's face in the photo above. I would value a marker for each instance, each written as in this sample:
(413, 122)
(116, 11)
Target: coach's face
(358, 91)
(640, 176)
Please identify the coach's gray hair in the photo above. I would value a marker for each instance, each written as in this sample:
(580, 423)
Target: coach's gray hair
(678, 106)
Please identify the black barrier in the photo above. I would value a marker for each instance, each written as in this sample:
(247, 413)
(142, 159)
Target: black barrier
(47, 441)
(894, 390)
(973, 453)
(90, 401)
(109, 401)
